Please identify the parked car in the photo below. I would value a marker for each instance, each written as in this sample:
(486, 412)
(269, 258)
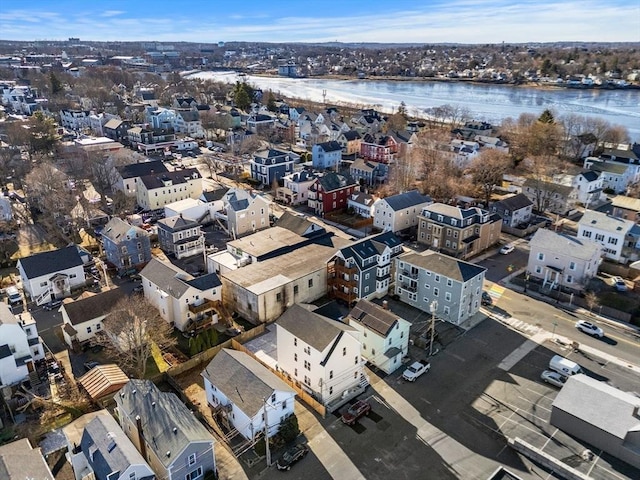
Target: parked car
(589, 328)
(52, 305)
(486, 299)
(619, 284)
(291, 456)
(355, 411)
(507, 249)
(138, 289)
(89, 365)
(554, 378)
(232, 332)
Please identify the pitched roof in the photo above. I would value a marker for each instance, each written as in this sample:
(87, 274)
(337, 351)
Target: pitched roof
(311, 328)
(103, 380)
(107, 448)
(243, 380)
(113, 123)
(590, 175)
(628, 203)
(205, 282)
(189, 115)
(164, 276)
(575, 247)
(351, 135)
(513, 203)
(406, 200)
(6, 315)
(331, 146)
(213, 195)
(370, 246)
(603, 221)
(444, 265)
(157, 180)
(19, 460)
(176, 223)
(94, 306)
(334, 181)
(54, 261)
(116, 229)
(616, 168)
(165, 419)
(141, 169)
(608, 409)
(298, 224)
(373, 317)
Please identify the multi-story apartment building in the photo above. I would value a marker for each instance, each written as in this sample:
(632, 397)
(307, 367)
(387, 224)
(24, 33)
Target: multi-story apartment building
(180, 236)
(296, 187)
(126, 246)
(327, 155)
(20, 346)
(330, 193)
(399, 213)
(611, 232)
(448, 287)
(350, 142)
(460, 232)
(155, 191)
(515, 210)
(269, 165)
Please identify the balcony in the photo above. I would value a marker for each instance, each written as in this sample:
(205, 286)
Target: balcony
(408, 287)
(340, 274)
(410, 273)
(203, 307)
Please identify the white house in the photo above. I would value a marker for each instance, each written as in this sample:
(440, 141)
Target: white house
(321, 354)
(154, 191)
(245, 212)
(182, 300)
(50, 275)
(561, 260)
(589, 185)
(514, 210)
(82, 318)
(362, 204)
(610, 232)
(128, 176)
(399, 212)
(6, 212)
(296, 187)
(247, 393)
(384, 336)
(20, 346)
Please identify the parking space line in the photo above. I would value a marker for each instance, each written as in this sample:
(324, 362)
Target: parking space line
(595, 460)
(549, 439)
(506, 420)
(532, 403)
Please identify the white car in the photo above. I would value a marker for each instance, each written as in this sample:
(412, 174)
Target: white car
(589, 328)
(554, 378)
(507, 249)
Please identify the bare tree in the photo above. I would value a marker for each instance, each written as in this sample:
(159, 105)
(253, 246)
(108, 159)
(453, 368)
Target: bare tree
(487, 170)
(213, 164)
(591, 298)
(129, 331)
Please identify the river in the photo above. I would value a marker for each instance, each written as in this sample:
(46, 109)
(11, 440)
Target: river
(491, 103)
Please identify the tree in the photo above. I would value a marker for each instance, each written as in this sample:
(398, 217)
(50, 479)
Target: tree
(243, 95)
(56, 84)
(487, 171)
(213, 164)
(591, 298)
(42, 133)
(130, 329)
(271, 102)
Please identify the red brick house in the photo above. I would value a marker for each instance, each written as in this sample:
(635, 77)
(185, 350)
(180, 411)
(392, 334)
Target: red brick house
(330, 193)
(382, 149)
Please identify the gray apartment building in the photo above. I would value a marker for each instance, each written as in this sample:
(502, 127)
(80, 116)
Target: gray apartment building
(433, 282)
(459, 232)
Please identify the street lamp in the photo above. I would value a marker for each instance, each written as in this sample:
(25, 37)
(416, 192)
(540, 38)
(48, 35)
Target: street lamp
(432, 308)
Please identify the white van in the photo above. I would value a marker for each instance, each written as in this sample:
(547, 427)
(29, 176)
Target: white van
(14, 295)
(564, 366)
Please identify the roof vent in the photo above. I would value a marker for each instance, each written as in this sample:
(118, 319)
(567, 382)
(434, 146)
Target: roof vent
(168, 453)
(134, 391)
(153, 404)
(175, 429)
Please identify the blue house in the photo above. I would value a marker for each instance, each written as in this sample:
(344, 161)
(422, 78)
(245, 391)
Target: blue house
(326, 155)
(270, 165)
(125, 245)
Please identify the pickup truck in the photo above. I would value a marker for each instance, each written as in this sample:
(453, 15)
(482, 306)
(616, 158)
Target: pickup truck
(415, 370)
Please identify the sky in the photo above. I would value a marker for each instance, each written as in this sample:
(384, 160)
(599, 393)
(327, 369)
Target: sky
(384, 21)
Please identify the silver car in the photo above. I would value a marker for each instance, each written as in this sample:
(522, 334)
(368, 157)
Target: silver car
(554, 378)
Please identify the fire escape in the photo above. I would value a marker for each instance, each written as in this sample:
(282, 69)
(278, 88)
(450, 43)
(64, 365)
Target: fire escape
(341, 281)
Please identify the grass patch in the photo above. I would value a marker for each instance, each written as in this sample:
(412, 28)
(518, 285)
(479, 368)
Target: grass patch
(156, 355)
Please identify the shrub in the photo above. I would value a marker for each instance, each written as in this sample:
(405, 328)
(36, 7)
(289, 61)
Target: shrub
(260, 448)
(289, 429)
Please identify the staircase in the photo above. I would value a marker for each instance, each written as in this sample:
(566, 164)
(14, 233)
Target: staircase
(43, 298)
(34, 378)
(364, 381)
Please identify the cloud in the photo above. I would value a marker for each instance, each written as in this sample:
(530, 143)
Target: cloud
(112, 13)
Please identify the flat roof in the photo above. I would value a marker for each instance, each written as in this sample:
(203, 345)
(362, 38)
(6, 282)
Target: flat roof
(266, 241)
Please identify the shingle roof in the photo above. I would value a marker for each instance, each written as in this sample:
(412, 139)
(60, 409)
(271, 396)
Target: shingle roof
(298, 224)
(331, 146)
(163, 275)
(406, 200)
(116, 229)
(165, 419)
(590, 175)
(18, 461)
(373, 317)
(351, 135)
(243, 380)
(515, 202)
(444, 265)
(616, 168)
(213, 195)
(176, 223)
(311, 328)
(179, 176)
(370, 246)
(189, 115)
(205, 282)
(92, 307)
(141, 169)
(603, 221)
(628, 203)
(581, 248)
(113, 123)
(51, 262)
(334, 181)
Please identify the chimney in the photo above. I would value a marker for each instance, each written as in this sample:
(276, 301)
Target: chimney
(385, 305)
(143, 447)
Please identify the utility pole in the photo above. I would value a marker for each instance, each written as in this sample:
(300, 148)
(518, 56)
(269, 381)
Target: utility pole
(433, 307)
(266, 434)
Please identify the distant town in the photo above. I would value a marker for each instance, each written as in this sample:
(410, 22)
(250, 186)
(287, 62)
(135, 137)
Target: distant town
(201, 280)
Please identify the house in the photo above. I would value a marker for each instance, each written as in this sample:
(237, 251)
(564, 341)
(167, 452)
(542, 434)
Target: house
(50, 275)
(327, 155)
(384, 336)
(608, 421)
(460, 232)
(260, 292)
(6, 211)
(364, 268)
(151, 139)
(399, 213)
(258, 122)
(99, 449)
(125, 245)
(560, 260)
(247, 394)
(160, 118)
(20, 346)
(165, 432)
(116, 129)
(74, 119)
(589, 186)
(550, 196)
(368, 172)
(349, 142)
(186, 302)
(515, 210)
(82, 318)
(382, 149)
(156, 190)
(270, 165)
(180, 236)
(128, 176)
(491, 142)
(615, 176)
(610, 232)
(448, 287)
(321, 354)
(626, 207)
(330, 193)
(296, 188)
(362, 204)
(245, 212)
(19, 461)
(187, 121)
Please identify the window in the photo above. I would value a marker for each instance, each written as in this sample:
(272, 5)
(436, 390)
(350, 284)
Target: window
(295, 342)
(192, 459)
(197, 473)
(356, 359)
(613, 241)
(373, 351)
(435, 292)
(278, 297)
(572, 265)
(132, 476)
(447, 296)
(569, 279)
(599, 237)
(330, 374)
(295, 289)
(295, 357)
(446, 310)
(538, 269)
(88, 329)
(310, 282)
(437, 278)
(449, 282)
(307, 365)
(586, 234)
(330, 390)
(344, 351)
(540, 256)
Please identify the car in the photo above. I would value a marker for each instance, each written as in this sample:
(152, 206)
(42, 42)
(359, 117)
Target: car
(89, 365)
(291, 456)
(507, 249)
(486, 299)
(232, 332)
(589, 328)
(619, 284)
(52, 305)
(355, 411)
(554, 378)
(138, 289)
